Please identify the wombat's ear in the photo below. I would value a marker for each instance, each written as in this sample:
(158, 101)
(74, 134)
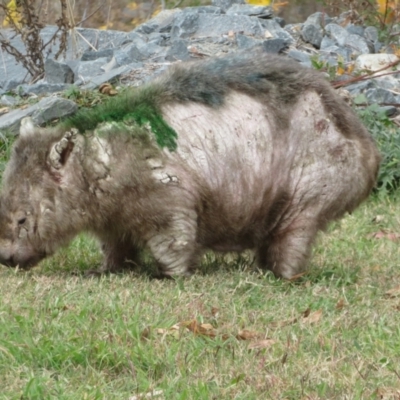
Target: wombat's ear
(61, 150)
(27, 127)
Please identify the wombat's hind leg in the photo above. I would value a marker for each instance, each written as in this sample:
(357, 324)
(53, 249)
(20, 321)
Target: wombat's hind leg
(286, 252)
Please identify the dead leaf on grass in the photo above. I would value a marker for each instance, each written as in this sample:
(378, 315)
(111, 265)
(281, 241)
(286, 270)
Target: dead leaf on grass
(145, 334)
(261, 344)
(340, 304)
(245, 334)
(393, 292)
(199, 329)
(385, 235)
(297, 276)
(312, 317)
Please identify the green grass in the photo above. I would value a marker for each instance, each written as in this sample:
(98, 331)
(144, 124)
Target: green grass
(334, 333)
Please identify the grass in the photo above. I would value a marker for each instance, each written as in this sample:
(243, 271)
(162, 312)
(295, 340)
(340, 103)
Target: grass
(332, 334)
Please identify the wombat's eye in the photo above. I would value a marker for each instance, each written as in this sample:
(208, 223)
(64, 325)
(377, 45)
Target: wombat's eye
(21, 221)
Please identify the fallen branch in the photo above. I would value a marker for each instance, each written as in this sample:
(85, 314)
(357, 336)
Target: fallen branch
(369, 75)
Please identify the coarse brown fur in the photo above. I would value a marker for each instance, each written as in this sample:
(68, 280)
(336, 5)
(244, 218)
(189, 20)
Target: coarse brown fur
(248, 151)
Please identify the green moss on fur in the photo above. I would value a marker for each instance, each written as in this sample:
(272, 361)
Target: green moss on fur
(139, 105)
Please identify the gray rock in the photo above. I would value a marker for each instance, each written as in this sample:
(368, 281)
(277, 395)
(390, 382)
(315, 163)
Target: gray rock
(379, 95)
(301, 56)
(312, 34)
(52, 108)
(390, 111)
(7, 100)
(56, 72)
(226, 4)
(326, 43)
(357, 44)
(280, 21)
(375, 62)
(41, 88)
(359, 87)
(11, 84)
(337, 33)
(250, 11)
(371, 33)
(91, 55)
(178, 51)
(45, 110)
(274, 46)
(114, 74)
(276, 30)
(247, 42)
(162, 22)
(204, 10)
(355, 30)
(186, 24)
(87, 69)
(319, 19)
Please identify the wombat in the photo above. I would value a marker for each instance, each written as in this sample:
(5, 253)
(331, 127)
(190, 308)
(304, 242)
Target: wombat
(247, 151)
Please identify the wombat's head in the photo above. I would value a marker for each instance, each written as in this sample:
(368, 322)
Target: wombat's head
(30, 207)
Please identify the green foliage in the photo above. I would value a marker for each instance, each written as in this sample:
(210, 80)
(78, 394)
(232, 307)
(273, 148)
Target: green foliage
(137, 104)
(387, 136)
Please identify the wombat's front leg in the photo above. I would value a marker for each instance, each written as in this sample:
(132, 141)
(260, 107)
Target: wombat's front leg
(175, 248)
(120, 254)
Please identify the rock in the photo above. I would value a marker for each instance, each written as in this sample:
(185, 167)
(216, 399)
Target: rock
(87, 69)
(185, 25)
(318, 19)
(379, 95)
(56, 72)
(303, 58)
(275, 30)
(204, 10)
(374, 62)
(247, 42)
(96, 81)
(371, 33)
(357, 44)
(178, 51)
(41, 88)
(250, 11)
(226, 4)
(52, 108)
(91, 55)
(162, 22)
(274, 46)
(312, 34)
(45, 110)
(6, 100)
(337, 33)
(355, 30)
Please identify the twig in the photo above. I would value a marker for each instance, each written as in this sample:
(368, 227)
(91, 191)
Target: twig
(89, 16)
(370, 75)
